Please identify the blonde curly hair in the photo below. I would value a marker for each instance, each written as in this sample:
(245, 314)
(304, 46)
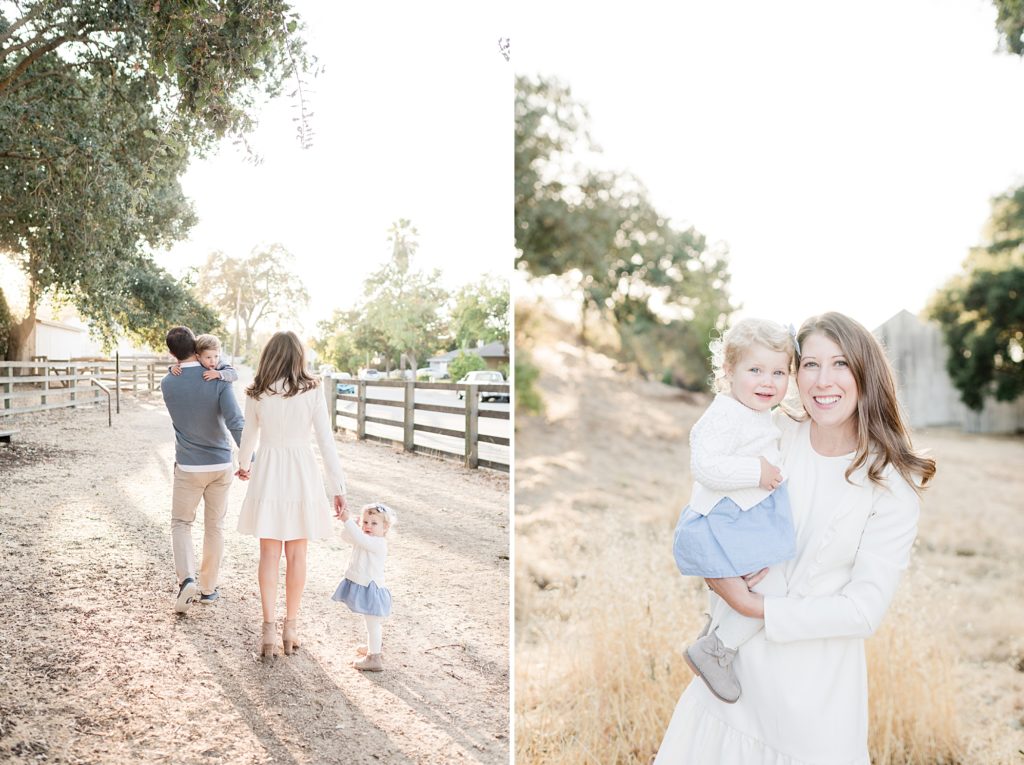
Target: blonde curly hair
(727, 350)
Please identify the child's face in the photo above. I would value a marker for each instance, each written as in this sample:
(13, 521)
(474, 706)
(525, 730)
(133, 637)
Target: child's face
(760, 377)
(373, 525)
(210, 358)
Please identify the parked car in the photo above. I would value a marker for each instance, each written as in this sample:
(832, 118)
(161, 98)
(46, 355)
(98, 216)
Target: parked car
(370, 374)
(344, 388)
(486, 377)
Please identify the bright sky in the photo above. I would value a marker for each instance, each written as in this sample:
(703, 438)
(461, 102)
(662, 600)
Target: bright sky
(846, 154)
(412, 119)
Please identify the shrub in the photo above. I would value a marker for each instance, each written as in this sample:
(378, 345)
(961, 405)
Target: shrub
(528, 398)
(465, 363)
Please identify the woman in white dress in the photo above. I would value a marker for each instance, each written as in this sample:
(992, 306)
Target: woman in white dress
(285, 505)
(854, 480)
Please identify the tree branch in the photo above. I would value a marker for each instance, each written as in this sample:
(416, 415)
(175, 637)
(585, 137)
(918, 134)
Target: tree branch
(35, 55)
(33, 14)
(22, 45)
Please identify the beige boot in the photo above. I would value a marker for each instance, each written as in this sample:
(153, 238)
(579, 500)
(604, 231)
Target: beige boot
(370, 663)
(290, 636)
(269, 640)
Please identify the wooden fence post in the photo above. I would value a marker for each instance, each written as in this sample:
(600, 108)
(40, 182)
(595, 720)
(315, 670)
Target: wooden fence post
(135, 376)
(361, 410)
(72, 372)
(410, 414)
(8, 387)
(117, 378)
(46, 382)
(472, 424)
(331, 395)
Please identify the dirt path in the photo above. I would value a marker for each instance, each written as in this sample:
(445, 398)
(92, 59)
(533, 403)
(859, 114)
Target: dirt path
(96, 667)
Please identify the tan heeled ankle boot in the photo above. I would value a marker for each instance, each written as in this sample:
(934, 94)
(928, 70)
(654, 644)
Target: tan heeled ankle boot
(268, 641)
(290, 636)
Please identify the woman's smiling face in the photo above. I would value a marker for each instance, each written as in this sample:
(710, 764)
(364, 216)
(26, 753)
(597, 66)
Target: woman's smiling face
(828, 390)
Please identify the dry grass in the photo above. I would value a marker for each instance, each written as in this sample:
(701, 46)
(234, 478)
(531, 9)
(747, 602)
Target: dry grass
(600, 669)
(912, 692)
(600, 684)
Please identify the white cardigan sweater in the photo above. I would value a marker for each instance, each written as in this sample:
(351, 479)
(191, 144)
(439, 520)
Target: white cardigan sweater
(368, 555)
(726, 445)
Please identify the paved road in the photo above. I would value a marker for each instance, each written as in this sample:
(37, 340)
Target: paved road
(487, 426)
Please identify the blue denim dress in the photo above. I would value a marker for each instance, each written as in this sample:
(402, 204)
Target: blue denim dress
(366, 599)
(733, 542)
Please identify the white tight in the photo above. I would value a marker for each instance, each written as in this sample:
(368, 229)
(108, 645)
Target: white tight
(735, 629)
(374, 633)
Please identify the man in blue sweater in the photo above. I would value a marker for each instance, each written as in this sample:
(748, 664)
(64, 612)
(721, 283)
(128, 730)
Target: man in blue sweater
(202, 412)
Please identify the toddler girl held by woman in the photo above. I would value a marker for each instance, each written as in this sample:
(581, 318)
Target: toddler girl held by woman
(738, 520)
(362, 589)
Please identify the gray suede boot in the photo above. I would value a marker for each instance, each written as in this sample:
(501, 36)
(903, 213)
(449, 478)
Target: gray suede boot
(710, 659)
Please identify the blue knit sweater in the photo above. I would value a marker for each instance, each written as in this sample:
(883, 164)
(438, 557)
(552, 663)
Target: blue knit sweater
(202, 411)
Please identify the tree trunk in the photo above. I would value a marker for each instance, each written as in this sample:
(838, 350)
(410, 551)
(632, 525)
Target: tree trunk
(21, 342)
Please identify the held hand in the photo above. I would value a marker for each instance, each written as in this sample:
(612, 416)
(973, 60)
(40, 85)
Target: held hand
(771, 476)
(755, 578)
(242, 474)
(176, 369)
(340, 507)
(211, 374)
(733, 590)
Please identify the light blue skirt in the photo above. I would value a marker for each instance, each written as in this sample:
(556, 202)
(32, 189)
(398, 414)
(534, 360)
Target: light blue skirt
(368, 599)
(733, 542)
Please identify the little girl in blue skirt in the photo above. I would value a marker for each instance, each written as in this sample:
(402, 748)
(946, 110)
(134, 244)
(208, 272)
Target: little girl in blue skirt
(738, 520)
(362, 589)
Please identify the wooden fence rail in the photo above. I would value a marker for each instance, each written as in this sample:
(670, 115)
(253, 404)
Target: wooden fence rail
(41, 384)
(470, 412)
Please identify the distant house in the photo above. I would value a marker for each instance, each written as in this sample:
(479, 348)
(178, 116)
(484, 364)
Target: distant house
(57, 340)
(494, 354)
(62, 341)
(918, 353)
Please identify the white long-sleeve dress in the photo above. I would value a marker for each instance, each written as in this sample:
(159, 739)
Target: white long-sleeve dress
(804, 677)
(285, 498)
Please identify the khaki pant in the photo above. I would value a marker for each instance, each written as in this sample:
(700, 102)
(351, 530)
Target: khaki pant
(189, 488)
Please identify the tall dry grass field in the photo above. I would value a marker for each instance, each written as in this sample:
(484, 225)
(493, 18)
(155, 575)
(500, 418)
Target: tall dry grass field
(602, 614)
(912, 691)
(605, 670)
(602, 683)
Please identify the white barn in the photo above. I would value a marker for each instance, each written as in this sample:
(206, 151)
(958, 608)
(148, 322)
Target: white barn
(918, 353)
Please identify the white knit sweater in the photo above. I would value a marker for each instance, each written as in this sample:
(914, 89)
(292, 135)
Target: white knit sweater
(726, 444)
(368, 555)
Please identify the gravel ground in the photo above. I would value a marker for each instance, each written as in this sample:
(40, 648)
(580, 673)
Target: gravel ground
(95, 666)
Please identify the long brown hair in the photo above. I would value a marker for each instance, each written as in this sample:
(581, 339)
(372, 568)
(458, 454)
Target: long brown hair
(882, 432)
(282, 368)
